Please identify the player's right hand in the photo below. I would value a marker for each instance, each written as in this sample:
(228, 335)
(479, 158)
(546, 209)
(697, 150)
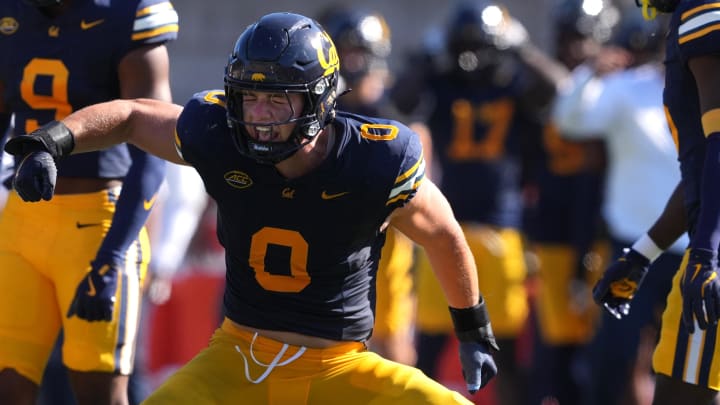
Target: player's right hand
(620, 283)
(35, 177)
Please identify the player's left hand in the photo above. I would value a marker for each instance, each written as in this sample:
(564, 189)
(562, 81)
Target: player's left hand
(700, 289)
(620, 282)
(477, 363)
(95, 295)
(35, 177)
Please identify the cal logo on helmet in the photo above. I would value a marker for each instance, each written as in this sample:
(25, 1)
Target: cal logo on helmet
(258, 77)
(331, 61)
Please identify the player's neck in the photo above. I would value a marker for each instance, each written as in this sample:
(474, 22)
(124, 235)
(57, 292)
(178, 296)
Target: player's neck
(309, 157)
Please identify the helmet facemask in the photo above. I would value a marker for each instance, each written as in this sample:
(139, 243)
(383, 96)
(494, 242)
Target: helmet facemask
(307, 123)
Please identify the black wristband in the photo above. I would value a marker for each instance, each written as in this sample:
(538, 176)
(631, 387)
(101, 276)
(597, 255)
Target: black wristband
(54, 138)
(473, 324)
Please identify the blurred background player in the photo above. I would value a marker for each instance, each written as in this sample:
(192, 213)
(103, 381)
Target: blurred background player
(78, 262)
(625, 109)
(563, 222)
(487, 105)
(363, 42)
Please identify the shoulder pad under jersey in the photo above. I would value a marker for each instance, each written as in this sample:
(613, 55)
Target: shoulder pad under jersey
(394, 154)
(203, 115)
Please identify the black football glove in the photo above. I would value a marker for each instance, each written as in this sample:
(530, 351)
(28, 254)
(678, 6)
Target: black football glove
(472, 327)
(620, 283)
(95, 295)
(700, 289)
(477, 363)
(36, 174)
(35, 177)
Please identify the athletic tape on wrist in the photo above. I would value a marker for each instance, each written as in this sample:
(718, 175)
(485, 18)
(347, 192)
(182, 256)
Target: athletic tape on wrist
(647, 247)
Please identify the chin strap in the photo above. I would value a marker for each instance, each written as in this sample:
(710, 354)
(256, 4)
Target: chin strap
(649, 13)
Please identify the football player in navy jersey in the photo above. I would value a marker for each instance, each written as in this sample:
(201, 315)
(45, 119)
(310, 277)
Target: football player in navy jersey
(304, 195)
(77, 262)
(563, 222)
(685, 358)
(487, 110)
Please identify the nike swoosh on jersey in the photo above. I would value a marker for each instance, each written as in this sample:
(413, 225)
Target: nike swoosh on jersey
(147, 204)
(79, 225)
(326, 196)
(91, 289)
(87, 25)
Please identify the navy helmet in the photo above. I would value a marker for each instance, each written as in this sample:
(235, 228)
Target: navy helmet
(362, 39)
(593, 19)
(477, 37)
(638, 35)
(283, 53)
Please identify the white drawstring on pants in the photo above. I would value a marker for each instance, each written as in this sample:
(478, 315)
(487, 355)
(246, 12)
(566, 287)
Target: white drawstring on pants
(269, 367)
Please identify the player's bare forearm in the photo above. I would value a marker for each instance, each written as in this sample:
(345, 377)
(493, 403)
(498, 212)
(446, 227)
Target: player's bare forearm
(671, 223)
(454, 267)
(148, 124)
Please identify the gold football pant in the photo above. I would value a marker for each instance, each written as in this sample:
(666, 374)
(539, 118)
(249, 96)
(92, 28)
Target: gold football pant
(45, 251)
(692, 358)
(239, 367)
(561, 322)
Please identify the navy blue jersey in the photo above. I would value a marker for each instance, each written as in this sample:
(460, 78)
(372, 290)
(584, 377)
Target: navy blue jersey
(568, 206)
(693, 32)
(477, 134)
(302, 254)
(54, 66)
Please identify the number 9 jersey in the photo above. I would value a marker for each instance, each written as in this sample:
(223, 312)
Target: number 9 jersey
(54, 66)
